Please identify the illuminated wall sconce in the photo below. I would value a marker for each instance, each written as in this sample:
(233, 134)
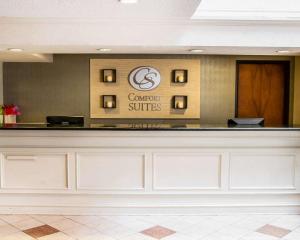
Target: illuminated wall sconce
(180, 76)
(109, 101)
(179, 102)
(108, 75)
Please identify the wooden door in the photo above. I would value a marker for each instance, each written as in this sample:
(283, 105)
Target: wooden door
(263, 91)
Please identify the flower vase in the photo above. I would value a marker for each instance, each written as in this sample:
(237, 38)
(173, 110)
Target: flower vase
(10, 119)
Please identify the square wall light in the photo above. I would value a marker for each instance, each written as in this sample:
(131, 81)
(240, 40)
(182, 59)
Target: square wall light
(108, 75)
(179, 102)
(109, 101)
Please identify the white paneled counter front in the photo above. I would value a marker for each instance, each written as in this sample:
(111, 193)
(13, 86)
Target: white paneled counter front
(110, 172)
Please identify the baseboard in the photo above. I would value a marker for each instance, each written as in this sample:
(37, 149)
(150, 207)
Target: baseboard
(149, 204)
(150, 211)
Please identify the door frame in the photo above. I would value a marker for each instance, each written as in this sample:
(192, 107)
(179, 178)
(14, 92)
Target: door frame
(287, 64)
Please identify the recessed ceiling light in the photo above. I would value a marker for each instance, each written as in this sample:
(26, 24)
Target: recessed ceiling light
(104, 49)
(15, 49)
(128, 1)
(196, 50)
(282, 51)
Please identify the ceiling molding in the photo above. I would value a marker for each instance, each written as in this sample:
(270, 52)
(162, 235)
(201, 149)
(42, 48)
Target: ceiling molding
(258, 10)
(6, 56)
(243, 15)
(154, 22)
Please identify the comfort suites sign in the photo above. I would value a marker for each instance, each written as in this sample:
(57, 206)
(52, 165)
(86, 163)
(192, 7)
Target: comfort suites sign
(145, 88)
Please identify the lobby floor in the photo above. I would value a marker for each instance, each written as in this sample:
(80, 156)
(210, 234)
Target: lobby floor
(180, 227)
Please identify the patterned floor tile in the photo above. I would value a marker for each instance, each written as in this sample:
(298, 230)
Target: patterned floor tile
(18, 236)
(177, 227)
(40, 231)
(3, 222)
(86, 220)
(262, 218)
(234, 232)
(47, 219)
(136, 223)
(121, 219)
(218, 236)
(273, 231)
(7, 230)
(65, 224)
(213, 224)
(197, 231)
(287, 221)
(159, 219)
(80, 231)
(138, 226)
(294, 235)
(179, 236)
(106, 225)
(258, 236)
(14, 218)
(137, 236)
(194, 219)
(158, 232)
(227, 220)
(27, 223)
(56, 236)
(250, 224)
(97, 236)
(118, 231)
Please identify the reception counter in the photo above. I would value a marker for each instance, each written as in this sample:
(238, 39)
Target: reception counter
(115, 169)
(149, 127)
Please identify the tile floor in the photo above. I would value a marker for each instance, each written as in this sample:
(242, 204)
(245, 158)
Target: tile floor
(180, 227)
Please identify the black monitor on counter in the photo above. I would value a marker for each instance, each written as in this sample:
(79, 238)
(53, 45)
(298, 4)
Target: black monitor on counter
(65, 120)
(244, 122)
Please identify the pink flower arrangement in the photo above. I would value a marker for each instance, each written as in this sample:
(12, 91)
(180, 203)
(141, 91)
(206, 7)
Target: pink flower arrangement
(11, 110)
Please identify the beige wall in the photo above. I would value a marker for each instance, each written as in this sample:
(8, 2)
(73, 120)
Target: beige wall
(62, 87)
(217, 88)
(297, 92)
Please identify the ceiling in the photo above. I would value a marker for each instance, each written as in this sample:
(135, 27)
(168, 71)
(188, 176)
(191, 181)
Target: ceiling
(43, 27)
(99, 9)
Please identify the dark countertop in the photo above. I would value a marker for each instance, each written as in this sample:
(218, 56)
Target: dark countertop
(149, 127)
